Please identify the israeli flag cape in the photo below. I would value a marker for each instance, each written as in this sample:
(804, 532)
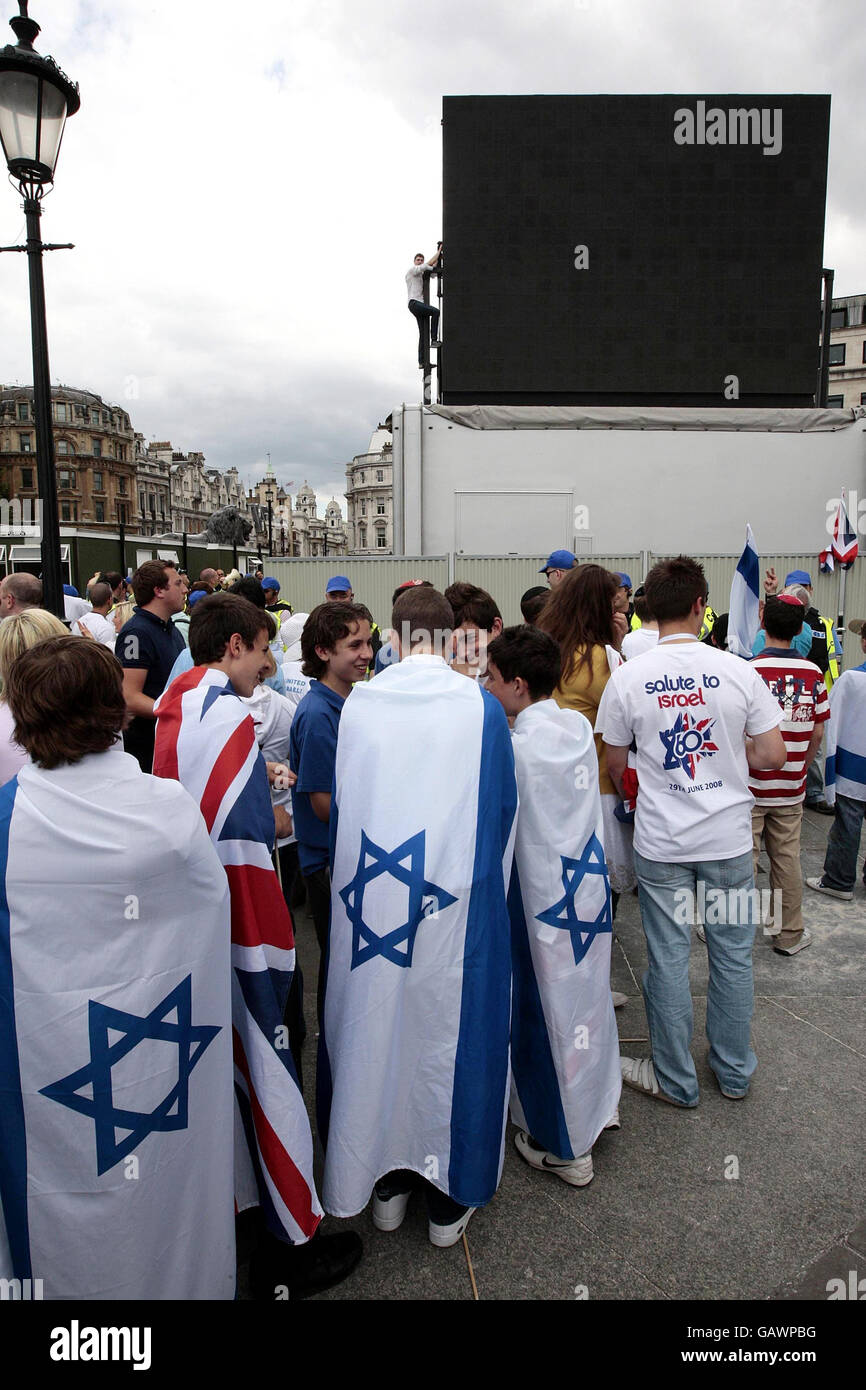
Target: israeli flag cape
(115, 1039)
(564, 1040)
(845, 768)
(744, 607)
(206, 739)
(413, 1060)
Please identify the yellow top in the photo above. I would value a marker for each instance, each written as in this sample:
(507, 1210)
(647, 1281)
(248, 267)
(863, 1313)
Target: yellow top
(583, 691)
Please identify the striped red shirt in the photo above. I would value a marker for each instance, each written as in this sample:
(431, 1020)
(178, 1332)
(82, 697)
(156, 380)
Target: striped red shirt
(799, 687)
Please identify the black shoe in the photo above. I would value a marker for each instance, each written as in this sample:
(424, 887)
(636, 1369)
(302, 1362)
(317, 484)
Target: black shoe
(821, 807)
(279, 1271)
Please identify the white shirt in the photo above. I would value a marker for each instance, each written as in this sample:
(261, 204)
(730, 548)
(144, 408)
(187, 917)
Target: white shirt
(688, 707)
(415, 280)
(102, 628)
(272, 715)
(297, 684)
(74, 607)
(642, 639)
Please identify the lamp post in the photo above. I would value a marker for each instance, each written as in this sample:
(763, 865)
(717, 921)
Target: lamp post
(35, 99)
(270, 499)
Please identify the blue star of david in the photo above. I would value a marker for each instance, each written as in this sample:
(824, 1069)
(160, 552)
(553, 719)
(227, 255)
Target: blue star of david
(406, 864)
(191, 1043)
(564, 914)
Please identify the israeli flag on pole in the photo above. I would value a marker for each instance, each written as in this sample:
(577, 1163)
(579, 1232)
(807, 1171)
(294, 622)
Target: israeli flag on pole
(115, 1039)
(743, 619)
(564, 1041)
(413, 1059)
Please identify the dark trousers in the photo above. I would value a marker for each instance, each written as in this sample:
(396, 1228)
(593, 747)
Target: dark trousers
(442, 1210)
(425, 314)
(293, 1014)
(843, 845)
(319, 897)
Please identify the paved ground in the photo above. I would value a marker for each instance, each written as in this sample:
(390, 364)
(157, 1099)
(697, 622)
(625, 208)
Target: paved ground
(661, 1220)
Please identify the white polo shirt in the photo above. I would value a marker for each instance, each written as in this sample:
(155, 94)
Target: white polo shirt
(689, 707)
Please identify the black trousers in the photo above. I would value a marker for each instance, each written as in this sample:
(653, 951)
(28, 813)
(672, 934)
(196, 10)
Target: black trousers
(442, 1210)
(424, 313)
(319, 897)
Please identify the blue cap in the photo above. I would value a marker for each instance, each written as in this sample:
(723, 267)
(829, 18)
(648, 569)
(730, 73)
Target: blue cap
(626, 578)
(338, 584)
(798, 577)
(270, 583)
(196, 595)
(70, 590)
(559, 560)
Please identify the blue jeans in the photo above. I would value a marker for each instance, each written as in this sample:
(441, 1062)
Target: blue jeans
(843, 845)
(667, 893)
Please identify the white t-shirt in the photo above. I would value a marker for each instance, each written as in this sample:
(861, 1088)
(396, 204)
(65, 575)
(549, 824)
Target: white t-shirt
(415, 280)
(102, 628)
(642, 639)
(297, 684)
(688, 707)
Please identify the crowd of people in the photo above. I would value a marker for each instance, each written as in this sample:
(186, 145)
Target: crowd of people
(462, 806)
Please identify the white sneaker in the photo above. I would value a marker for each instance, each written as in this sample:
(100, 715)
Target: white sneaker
(443, 1236)
(388, 1216)
(619, 1000)
(614, 1121)
(639, 1073)
(577, 1172)
(805, 940)
(702, 936)
(818, 887)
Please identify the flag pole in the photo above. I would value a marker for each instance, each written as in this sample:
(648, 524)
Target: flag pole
(840, 607)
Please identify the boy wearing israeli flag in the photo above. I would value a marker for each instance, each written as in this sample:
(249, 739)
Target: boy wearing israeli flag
(413, 1063)
(564, 1044)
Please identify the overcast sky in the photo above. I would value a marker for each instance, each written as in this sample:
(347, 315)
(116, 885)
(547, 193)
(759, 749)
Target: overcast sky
(245, 197)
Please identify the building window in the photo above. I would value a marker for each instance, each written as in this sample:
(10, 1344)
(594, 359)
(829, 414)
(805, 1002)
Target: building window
(94, 416)
(65, 477)
(362, 477)
(837, 354)
(838, 319)
(63, 447)
(98, 482)
(380, 540)
(362, 537)
(106, 418)
(25, 443)
(862, 402)
(363, 508)
(23, 410)
(141, 502)
(380, 475)
(60, 412)
(380, 508)
(26, 477)
(99, 511)
(121, 486)
(864, 349)
(96, 448)
(65, 511)
(835, 402)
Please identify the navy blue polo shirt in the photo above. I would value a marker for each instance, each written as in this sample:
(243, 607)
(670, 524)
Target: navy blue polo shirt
(147, 643)
(312, 755)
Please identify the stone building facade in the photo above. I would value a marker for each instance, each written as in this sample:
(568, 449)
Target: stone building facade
(370, 498)
(95, 456)
(848, 351)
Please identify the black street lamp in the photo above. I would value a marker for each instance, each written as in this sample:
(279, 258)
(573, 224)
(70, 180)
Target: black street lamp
(270, 497)
(35, 99)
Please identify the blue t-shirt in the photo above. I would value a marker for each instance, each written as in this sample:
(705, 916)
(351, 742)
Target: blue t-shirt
(312, 755)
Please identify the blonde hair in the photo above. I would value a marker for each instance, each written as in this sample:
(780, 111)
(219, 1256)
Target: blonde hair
(22, 631)
(122, 613)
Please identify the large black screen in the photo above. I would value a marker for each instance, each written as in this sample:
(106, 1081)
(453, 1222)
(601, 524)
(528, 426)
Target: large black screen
(703, 223)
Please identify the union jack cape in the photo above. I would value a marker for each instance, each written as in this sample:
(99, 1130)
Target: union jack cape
(205, 739)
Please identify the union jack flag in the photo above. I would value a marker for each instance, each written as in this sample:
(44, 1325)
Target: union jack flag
(205, 739)
(844, 543)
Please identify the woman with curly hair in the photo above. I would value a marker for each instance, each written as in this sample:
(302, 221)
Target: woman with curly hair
(579, 616)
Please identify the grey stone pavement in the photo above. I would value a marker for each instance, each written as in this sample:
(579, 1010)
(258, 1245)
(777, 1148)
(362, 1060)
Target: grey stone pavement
(660, 1219)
